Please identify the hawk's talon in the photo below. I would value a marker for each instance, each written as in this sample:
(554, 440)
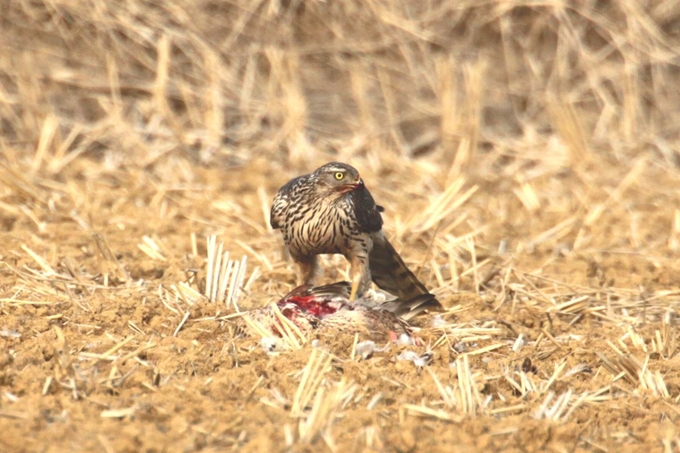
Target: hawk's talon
(355, 289)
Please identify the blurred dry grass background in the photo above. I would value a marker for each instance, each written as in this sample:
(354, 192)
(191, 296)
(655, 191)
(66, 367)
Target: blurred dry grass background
(527, 154)
(510, 95)
(228, 81)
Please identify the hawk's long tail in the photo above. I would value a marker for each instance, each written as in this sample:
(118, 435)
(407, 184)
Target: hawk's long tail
(409, 309)
(391, 274)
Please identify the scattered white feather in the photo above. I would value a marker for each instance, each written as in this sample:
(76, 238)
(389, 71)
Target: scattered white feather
(11, 333)
(269, 344)
(405, 340)
(580, 368)
(365, 349)
(519, 342)
(459, 347)
(438, 321)
(419, 360)
(377, 297)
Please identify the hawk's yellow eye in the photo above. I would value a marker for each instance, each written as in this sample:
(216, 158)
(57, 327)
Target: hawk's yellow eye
(339, 175)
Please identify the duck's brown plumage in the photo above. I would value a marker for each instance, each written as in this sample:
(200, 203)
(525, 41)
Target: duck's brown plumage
(327, 308)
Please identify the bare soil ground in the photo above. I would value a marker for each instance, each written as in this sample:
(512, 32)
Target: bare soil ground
(527, 158)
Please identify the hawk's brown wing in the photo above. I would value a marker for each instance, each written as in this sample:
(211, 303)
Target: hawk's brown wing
(281, 200)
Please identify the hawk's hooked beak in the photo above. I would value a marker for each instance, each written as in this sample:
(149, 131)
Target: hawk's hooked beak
(350, 187)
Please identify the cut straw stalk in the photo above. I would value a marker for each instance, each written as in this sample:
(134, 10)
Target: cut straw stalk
(47, 269)
(110, 264)
(424, 411)
(465, 396)
(318, 365)
(288, 331)
(224, 277)
(151, 249)
(324, 410)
